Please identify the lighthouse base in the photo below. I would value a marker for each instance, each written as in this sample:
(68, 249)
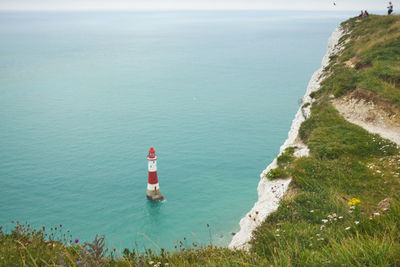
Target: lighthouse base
(154, 195)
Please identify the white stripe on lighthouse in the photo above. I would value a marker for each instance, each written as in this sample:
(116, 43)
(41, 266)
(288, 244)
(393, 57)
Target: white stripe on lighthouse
(153, 187)
(152, 166)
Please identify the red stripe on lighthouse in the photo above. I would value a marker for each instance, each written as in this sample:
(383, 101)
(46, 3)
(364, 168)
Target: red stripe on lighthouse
(153, 179)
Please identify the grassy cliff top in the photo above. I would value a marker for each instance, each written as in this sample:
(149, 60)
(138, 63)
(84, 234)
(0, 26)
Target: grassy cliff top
(343, 205)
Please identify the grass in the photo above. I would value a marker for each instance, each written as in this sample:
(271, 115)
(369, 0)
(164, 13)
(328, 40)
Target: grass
(316, 226)
(374, 49)
(284, 164)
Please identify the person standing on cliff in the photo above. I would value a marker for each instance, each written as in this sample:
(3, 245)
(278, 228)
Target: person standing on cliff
(390, 8)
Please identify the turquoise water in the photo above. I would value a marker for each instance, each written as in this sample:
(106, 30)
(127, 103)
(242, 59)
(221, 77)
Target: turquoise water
(84, 95)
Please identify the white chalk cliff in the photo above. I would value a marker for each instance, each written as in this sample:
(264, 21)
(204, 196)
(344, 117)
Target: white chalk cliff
(270, 192)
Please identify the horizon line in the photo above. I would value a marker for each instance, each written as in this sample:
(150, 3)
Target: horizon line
(176, 9)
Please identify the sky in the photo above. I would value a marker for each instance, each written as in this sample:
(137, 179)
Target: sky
(192, 4)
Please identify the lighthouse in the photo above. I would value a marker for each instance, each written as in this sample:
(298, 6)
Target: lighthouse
(153, 189)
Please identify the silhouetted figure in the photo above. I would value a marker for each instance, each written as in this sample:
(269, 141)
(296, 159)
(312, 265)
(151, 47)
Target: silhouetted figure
(361, 14)
(390, 8)
(366, 14)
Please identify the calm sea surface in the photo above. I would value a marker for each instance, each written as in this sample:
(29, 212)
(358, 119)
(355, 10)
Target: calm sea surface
(84, 95)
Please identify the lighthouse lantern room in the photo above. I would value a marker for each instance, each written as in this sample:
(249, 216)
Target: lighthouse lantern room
(153, 188)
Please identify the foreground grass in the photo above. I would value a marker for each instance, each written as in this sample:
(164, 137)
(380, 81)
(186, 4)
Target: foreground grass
(316, 225)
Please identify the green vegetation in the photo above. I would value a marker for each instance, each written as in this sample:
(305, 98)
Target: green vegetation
(343, 205)
(284, 163)
(370, 60)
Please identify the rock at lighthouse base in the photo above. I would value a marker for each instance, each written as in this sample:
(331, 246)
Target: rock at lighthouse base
(154, 195)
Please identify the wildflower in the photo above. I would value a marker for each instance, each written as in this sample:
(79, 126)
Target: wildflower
(78, 262)
(294, 213)
(354, 202)
(278, 235)
(356, 222)
(151, 262)
(317, 234)
(322, 227)
(76, 240)
(340, 217)
(376, 214)
(334, 215)
(324, 220)
(347, 228)
(311, 211)
(277, 230)
(60, 225)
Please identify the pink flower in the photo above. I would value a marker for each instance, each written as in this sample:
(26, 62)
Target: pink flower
(60, 225)
(294, 213)
(76, 240)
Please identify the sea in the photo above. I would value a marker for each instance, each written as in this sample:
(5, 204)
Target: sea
(85, 94)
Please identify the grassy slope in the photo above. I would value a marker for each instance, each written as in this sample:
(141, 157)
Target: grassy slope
(345, 162)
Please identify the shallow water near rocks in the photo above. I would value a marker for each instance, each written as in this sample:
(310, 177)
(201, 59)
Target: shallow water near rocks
(84, 95)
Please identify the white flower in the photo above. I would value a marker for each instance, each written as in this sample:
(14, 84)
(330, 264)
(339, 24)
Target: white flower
(322, 227)
(347, 228)
(350, 211)
(324, 220)
(151, 262)
(317, 234)
(334, 215)
(311, 211)
(356, 222)
(277, 230)
(376, 214)
(277, 234)
(320, 239)
(340, 217)
(352, 207)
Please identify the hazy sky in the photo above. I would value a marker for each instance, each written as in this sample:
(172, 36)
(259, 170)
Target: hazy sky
(194, 4)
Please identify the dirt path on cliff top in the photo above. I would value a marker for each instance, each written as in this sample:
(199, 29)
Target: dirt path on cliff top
(365, 109)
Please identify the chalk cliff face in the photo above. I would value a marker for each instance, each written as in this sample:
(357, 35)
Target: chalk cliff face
(270, 192)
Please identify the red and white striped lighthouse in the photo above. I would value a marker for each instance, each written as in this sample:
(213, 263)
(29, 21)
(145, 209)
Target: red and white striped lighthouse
(153, 189)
